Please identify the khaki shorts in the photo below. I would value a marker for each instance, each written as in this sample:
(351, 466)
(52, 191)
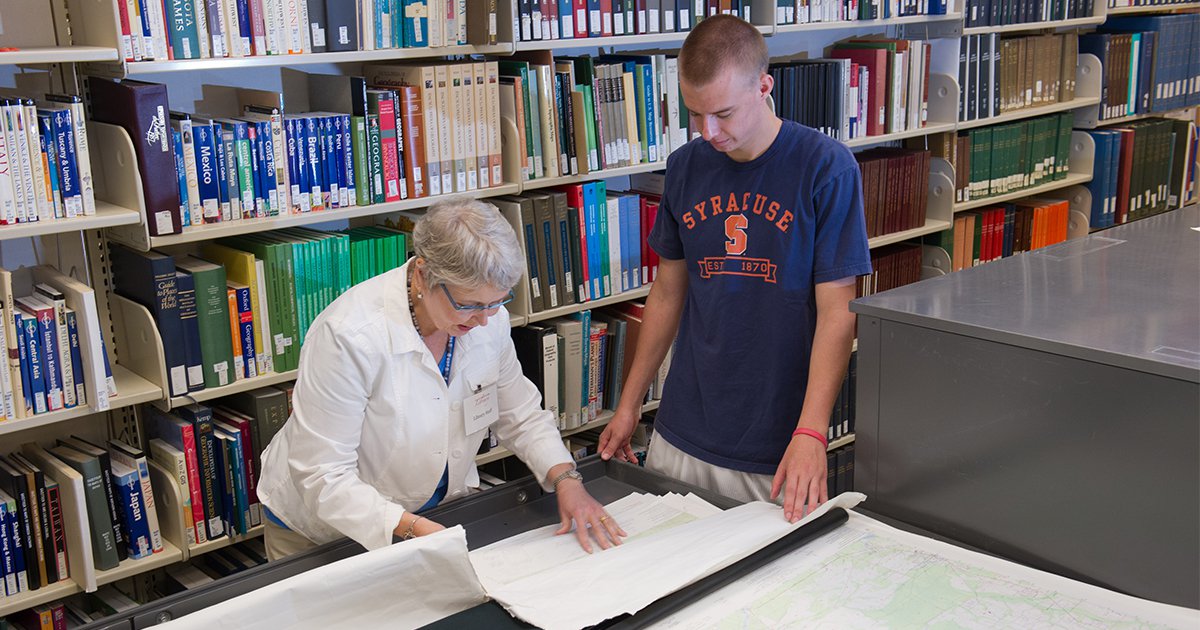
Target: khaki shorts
(664, 458)
(282, 542)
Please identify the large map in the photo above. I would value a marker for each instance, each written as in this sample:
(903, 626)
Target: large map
(868, 575)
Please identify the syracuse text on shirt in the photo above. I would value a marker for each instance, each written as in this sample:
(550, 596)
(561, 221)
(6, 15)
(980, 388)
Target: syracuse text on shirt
(760, 205)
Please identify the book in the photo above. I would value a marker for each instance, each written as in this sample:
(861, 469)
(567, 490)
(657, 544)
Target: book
(148, 278)
(135, 459)
(212, 316)
(104, 546)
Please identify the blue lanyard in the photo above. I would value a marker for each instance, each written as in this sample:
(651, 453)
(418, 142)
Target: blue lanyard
(444, 366)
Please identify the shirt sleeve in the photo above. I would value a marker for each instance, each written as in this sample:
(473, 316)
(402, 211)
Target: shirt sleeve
(524, 427)
(329, 406)
(841, 235)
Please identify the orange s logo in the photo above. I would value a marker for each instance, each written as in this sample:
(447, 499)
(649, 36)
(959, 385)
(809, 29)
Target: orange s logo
(735, 234)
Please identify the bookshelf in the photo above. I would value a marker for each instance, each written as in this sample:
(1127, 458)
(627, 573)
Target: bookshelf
(59, 54)
(29, 599)
(1083, 154)
(1158, 8)
(143, 68)
(141, 372)
(1088, 118)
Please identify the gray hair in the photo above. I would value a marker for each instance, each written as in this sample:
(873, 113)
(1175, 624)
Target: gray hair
(467, 243)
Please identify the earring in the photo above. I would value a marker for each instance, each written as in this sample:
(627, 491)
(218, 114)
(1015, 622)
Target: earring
(420, 295)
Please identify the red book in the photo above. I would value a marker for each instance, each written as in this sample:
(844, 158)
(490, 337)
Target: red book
(580, 18)
(649, 256)
(875, 60)
(1124, 174)
(382, 102)
(412, 117)
(606, 17)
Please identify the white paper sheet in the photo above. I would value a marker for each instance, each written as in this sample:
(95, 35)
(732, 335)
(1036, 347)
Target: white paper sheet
(574, 590)
(869, 575)
(537, 550)
(406, 585)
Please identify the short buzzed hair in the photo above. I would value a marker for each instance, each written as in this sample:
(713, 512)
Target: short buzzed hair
(721, 42)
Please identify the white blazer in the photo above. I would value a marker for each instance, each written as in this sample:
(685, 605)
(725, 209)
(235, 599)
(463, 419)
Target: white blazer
(374, 424)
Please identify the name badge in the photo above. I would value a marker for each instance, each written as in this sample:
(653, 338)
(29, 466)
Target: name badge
(480, 410)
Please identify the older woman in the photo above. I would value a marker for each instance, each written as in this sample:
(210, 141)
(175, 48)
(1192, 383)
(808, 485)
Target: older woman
(399, 380)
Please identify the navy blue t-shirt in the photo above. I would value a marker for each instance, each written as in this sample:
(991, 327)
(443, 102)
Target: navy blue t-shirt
(756, 236)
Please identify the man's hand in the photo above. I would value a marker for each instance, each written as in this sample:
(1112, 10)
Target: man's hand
(575, 504)
(614, 441)
(801, 476)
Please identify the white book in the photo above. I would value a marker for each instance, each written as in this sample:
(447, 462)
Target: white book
(479, 89)
(41, 180)
(174, 462)
(550, 371)
(22, 165)
(292, 27)
(273, 28)
(618, 278)
(571, 363)
(157, 45)
(443, 114)
(266, 355)
(83, 158)
(305, 31)
(201, 16)
(8, 196)
(6, 383)
(492, 103)
(12, 164)
(82, 299)
(136, 40)
(235, 44)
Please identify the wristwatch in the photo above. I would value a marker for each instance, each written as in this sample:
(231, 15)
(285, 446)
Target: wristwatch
(569, 474)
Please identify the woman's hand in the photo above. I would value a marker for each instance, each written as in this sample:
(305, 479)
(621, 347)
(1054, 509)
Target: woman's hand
(420, 525)
(575, 504)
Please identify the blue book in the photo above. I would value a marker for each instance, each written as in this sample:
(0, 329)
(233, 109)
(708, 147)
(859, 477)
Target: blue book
(68, 172)
(348, 161)
(245, 26)
(631, 238)
(245, 316)
(224, 482)
(261, 202)
(1098, 186)
(312, 163)
(396, 11)
(416, 24)
(33, 346)
(182, 29)
(181, 176)
(46, 139)
(8, 574)
(17, 580)
(593, 240)
(266, 162)
(76, 358)
(148, 278)
(593, 27)
(23, 348)
(47, 326)
(237, 466)
(222, 171)
(585, 318)
(185, 286)
(243, 165)
(205, 147)
(234, 193)
(330, 194)
(381, 14)
(293, 130)
(134, 524)
(339, 159)
(566, 19)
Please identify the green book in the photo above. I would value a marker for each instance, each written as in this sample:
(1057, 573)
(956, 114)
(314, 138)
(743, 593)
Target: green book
(375, 158)
(576, 253)
(533, 132)
(212, 318)
(281, 295)
(362, 186)
(104, 547)
(590, 119)
(610, 283)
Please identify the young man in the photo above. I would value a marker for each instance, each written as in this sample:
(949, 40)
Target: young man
(760, 235)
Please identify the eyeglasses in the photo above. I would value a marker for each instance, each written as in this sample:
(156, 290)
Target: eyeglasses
(475, 307)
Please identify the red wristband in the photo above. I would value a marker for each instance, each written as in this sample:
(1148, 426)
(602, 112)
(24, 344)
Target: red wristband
(812, 434)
